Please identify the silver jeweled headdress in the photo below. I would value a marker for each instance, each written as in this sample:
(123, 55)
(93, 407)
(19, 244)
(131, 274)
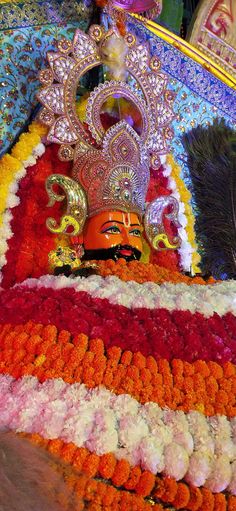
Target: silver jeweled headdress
(111, 166)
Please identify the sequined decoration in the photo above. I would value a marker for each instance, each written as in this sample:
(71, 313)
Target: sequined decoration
(72, 62)
(200, 97)
(154, 217)
(28, 30)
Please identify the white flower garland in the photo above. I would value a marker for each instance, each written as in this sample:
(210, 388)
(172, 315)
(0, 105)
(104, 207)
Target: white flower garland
(190, 446)
(13, 201)
(185, 251)
(206, 299)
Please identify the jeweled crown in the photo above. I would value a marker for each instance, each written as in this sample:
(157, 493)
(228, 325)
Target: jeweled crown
(111, 166)
(116, 177)
(114, 169)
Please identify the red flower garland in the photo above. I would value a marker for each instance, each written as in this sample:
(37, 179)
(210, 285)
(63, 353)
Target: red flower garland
(163, 334)
(31, 243)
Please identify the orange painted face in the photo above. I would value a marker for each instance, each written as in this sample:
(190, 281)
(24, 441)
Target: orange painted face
(113, 235)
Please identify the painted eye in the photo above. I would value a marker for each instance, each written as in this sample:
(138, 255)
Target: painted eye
(112, 230)
(135, 232)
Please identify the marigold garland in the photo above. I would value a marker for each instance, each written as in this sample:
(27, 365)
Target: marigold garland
(9, 167)
(11, 164)
(143, 272)
(12, 170)
(32, 349)
(164, 489)
(166, 334)
(185, 198)
(24, 148)
(95, 492)
(28, 249)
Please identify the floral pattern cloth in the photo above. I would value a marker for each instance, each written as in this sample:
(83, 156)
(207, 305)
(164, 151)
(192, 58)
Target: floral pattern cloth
(27, 31)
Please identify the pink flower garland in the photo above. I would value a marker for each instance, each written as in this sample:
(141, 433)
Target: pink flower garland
(190, 446)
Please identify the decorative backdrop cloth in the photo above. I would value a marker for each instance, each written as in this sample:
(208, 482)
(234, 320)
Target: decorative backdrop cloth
(27, 31)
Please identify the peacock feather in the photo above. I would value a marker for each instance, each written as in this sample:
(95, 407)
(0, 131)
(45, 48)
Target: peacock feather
(211, 153)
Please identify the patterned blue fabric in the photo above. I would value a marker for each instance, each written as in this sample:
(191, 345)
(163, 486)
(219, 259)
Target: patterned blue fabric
(27, 31)
(200, 96)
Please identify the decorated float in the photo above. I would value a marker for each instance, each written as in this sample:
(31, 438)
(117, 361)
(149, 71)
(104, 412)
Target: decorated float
(118, 258)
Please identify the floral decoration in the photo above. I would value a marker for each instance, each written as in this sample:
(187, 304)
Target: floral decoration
(42, 351)
(12, 169)
(189, 257)
(143, 272)
(188, 446)
(32, 353)
(128, 376)
(27, 251)
(207, 299)
(157, 332)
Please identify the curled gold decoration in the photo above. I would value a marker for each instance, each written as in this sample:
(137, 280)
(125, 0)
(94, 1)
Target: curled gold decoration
(76, 205)
(154, 222)
(66, 222)
(163, 238)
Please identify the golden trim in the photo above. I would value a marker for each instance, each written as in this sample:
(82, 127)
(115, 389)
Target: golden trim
(189, 50)
(218, 47)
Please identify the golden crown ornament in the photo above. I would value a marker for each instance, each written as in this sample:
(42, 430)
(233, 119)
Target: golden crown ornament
(111, 167)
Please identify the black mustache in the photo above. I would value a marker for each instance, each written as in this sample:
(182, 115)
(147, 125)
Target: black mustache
(103, 254)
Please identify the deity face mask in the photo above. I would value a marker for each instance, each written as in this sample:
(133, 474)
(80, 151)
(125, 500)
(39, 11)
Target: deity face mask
(113, 235)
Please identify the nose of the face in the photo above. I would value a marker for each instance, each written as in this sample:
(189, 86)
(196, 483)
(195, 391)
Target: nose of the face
(125, 236)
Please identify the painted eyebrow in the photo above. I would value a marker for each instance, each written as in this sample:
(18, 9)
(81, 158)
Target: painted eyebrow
(121, 223)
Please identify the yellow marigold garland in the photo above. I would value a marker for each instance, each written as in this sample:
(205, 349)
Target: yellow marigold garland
(9, 166)
(12, 163)
(185, 197)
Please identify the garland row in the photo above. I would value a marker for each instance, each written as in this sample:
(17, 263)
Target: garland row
(145, 272)
(219, 298)
(187, 497)
(180, 445)
(187, 250)
(12, 170)
(163, 334)
(31, 243)
(121, 474)
(44, 352)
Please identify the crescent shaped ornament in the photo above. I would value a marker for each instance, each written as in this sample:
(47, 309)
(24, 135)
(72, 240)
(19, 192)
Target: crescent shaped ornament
(154, 222)
(76, 205)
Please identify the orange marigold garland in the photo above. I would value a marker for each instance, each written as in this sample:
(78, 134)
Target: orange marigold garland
(144, 272)
(165, 489)
(31, 349)
(179, 385)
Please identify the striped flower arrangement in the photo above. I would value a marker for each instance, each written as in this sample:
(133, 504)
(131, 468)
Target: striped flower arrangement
(128, 376)
(145, 431)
